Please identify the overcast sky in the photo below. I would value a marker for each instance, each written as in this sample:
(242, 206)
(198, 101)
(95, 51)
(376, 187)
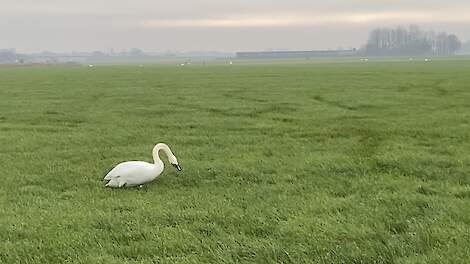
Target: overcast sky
(215, 25)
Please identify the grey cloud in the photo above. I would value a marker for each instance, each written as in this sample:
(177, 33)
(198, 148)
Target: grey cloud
(88, 24)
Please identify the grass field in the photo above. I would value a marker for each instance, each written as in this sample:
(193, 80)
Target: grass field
(329, 162)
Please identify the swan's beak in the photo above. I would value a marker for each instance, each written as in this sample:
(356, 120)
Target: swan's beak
(178, 167)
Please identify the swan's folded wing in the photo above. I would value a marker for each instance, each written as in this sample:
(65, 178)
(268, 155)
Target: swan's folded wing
(125, 169)
(116, 172)
(110, 175)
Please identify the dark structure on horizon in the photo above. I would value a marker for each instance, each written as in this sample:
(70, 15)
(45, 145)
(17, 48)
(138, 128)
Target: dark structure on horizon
(295, 54)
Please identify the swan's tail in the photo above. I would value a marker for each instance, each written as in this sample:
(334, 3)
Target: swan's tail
(115, 183)
(107, 177)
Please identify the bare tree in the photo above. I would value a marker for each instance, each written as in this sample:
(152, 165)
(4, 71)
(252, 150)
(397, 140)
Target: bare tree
(414, 41)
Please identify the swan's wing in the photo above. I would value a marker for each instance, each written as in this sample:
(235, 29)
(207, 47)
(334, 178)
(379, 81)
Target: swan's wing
(117, 171)
(125, 168)
(112, 174)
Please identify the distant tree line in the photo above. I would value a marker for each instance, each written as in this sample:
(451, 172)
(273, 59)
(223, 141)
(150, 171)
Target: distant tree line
(411, 41)
(465, 48)
(8, 56)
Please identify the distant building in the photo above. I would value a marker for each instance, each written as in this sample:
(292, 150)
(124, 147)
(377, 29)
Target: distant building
(295, 54)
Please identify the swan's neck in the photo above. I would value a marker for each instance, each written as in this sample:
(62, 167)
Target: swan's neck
(157, 148)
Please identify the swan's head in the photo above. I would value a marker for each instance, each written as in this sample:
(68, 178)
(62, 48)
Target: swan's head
(174, 162)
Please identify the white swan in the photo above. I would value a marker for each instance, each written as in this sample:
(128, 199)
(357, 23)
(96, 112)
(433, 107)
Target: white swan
(134, 173)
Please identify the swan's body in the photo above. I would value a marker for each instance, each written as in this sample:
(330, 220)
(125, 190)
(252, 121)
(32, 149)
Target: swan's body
(134, 173)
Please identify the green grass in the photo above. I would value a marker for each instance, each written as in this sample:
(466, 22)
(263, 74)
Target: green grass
(289, 163)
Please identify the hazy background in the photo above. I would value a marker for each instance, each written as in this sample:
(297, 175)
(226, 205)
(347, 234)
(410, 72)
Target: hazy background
(214, 25)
